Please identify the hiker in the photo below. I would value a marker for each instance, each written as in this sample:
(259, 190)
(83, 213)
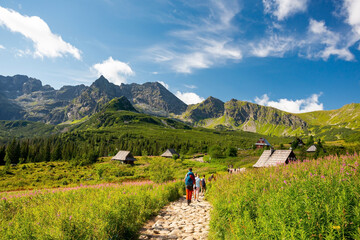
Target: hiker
(203, 185)
(189, 183)
(197, 187)
(211, 178)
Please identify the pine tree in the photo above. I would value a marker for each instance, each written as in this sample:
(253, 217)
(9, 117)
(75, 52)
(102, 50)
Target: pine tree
(56, 153)
(24, 151)
(310, 141)
(2, 155)
(47, 153)
(12, 153)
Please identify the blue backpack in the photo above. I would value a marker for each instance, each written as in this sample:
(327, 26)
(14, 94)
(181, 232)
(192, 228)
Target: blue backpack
(188, 180)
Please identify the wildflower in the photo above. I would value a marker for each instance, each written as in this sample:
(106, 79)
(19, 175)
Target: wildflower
(323, 177)
(285, 182)
(70, 217)
(336, 227)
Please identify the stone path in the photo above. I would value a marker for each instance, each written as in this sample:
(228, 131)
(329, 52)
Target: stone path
(180, 221)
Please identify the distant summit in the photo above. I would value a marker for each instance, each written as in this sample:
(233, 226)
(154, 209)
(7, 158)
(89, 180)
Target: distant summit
(209, 108)
(119, 104)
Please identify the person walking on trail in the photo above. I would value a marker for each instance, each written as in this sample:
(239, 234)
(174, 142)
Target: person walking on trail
(203, 185)
(189, 183)
(197, 187)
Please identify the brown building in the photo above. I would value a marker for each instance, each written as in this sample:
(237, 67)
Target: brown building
(169, 153)
(262, 143)
(124, 157)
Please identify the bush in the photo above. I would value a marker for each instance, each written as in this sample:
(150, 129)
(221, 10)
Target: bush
(215, 152)
(161, 169)
(231, 152)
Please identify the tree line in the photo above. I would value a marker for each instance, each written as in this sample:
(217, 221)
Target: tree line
(83, 150)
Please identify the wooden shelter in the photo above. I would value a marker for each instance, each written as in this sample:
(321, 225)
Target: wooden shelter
(273, 157)
(124, 157)
(312, 148)
(262, 143)
(169, 153)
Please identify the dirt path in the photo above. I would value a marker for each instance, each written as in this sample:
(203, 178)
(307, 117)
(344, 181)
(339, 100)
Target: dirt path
(180, 221)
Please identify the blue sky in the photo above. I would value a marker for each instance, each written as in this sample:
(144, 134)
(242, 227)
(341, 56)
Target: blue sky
(296, 55)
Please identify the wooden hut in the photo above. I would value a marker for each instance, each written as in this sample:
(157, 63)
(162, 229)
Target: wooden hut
(262, 143)
(274, 157)
(311, 149)
(124, 157)
(169, 153)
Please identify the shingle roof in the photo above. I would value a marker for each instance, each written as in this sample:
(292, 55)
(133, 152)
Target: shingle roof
(169, 153)
(124, 155)
(312, 148)
(272, 158)
(263, 158)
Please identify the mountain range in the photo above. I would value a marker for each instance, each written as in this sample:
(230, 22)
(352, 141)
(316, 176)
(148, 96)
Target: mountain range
(24, 98)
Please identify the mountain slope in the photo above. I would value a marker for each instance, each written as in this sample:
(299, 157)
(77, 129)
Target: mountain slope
(152, 97)
(148, 97)
(209, 108)
(348, 117)
(241, 115)
(25, 98)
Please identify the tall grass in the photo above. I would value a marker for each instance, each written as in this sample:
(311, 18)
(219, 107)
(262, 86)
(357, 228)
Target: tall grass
(317, 199)
(104, 211)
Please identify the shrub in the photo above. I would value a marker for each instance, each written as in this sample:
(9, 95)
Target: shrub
(161, 169)
(215, 152)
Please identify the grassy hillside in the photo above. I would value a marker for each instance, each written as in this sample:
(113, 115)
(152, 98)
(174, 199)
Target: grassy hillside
(346, 117)
(26, 129)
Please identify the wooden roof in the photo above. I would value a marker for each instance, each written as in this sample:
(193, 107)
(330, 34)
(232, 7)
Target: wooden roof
(169, 153)
(263, 159)
(275, 157)
(312, 148)
(124, 156)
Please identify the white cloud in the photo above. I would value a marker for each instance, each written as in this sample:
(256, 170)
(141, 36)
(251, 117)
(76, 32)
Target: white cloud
(46, 43)
(2, 47)
(284, 8)
(115, 71)
(189, 97)
(205, 42)
(190, 86)
(164, 84)
(352, 9)
(325, 42)
(293, 106)
(275, 46)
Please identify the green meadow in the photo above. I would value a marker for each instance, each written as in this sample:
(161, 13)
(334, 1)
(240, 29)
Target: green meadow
(103, 211)
(313, 199)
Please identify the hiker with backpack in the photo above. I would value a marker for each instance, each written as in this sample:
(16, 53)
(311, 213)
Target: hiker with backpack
(203, 185)
(189, 183)
(197, 187)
